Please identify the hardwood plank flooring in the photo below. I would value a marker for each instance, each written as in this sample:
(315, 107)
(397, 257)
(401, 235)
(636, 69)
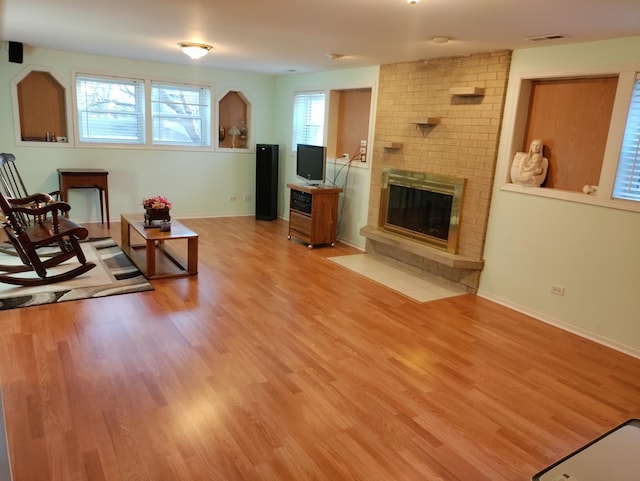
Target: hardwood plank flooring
(275, 364)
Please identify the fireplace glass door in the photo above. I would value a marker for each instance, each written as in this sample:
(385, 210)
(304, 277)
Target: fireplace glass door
(421, 211)
(422, 206)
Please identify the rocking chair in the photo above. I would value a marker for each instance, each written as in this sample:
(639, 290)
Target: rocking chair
(13, 185)
(50, 227)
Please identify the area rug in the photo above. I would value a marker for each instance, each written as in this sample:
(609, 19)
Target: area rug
(114, 274)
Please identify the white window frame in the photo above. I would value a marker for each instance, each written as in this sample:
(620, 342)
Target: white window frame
(149, 144)
(516, 115)
(303, 121)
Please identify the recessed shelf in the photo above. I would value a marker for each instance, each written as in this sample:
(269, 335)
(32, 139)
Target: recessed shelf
(41, 106)
(467, 91)
(427, 121)
(233, 121)
(391, 145)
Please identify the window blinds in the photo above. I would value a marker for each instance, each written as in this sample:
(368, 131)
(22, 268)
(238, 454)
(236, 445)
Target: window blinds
(181, 115)
(627, 184)
(308, 118)
(110, 110)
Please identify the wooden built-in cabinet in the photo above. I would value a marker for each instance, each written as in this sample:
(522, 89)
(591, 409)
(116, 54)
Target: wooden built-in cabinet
(313, 214)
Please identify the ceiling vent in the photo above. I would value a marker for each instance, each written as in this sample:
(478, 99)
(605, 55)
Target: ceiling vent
(539, 38)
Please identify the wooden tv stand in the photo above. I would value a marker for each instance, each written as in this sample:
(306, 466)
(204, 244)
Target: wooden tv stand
(313, 214)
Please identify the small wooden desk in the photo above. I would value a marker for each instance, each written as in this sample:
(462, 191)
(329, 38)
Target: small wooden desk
(86, 179)
(155, 240)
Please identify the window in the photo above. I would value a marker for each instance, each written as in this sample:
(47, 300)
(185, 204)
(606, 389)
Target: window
(114, 110)
(627, 184)
(181, 115)
(308, 118)
(110, 110)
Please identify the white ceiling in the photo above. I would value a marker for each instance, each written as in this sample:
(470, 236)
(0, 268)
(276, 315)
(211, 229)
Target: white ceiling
(277, 36)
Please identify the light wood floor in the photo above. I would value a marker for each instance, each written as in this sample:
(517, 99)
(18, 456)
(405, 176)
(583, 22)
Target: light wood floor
(276, 364)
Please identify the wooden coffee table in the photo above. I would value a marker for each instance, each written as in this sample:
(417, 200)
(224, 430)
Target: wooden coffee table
(158, 260)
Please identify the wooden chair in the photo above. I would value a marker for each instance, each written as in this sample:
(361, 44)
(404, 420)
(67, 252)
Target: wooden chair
(13, 186)
(50, 227)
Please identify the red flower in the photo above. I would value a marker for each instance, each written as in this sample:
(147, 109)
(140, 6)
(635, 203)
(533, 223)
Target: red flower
(156, 202)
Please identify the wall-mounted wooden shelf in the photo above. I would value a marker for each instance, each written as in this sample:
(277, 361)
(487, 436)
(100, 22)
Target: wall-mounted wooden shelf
(467, 91)
(427, 121)
(391, 145)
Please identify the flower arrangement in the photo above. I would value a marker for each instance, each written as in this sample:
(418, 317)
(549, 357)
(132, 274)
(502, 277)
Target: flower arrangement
(156, 202)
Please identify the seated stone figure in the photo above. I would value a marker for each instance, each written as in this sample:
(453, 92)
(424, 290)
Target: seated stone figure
(530, 168)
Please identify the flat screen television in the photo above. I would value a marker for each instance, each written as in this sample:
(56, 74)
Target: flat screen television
(311, 161)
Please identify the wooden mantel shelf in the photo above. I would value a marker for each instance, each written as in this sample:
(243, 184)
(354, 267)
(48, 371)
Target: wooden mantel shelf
(427, 121)
(442, 257)
(467, 91)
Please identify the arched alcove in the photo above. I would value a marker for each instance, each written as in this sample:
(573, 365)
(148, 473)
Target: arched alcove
(234, 118)
(41, 103)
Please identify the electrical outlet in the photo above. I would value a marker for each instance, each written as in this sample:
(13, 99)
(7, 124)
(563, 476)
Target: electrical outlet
(247, 197)
(564, 477)
(363, 143)
(557, 290)
(363, 150)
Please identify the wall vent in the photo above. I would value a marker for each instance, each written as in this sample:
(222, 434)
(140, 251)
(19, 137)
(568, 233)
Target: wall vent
(539, 38)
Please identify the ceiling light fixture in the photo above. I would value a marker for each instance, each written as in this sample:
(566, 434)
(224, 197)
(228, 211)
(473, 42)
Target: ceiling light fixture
(413, 2)
(195, 50)
(334, 56)
(440, 39)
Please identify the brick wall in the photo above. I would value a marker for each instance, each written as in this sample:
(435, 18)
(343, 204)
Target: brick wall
(463, 144)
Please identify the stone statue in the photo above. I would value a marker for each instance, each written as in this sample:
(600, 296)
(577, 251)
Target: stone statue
(530, 168)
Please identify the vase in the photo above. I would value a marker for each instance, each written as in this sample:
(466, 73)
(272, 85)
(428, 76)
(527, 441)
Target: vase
(155, 217)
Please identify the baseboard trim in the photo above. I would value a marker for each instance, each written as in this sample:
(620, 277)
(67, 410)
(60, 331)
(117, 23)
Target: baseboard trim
(578, 331)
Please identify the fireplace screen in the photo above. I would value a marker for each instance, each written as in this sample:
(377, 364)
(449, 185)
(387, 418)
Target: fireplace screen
(425, 207)
(422, 211)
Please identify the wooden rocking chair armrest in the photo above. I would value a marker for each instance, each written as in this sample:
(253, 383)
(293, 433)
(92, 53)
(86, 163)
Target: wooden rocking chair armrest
(40, 198)
(54, 208)
(56, 195)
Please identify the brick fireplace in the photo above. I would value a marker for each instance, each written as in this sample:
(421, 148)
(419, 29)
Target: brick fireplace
(466, 96)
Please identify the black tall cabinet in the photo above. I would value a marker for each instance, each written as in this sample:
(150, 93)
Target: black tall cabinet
(266, 181)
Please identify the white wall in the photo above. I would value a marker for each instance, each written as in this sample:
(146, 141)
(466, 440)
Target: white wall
(198, 183)
(355, 199)
(534, 242)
